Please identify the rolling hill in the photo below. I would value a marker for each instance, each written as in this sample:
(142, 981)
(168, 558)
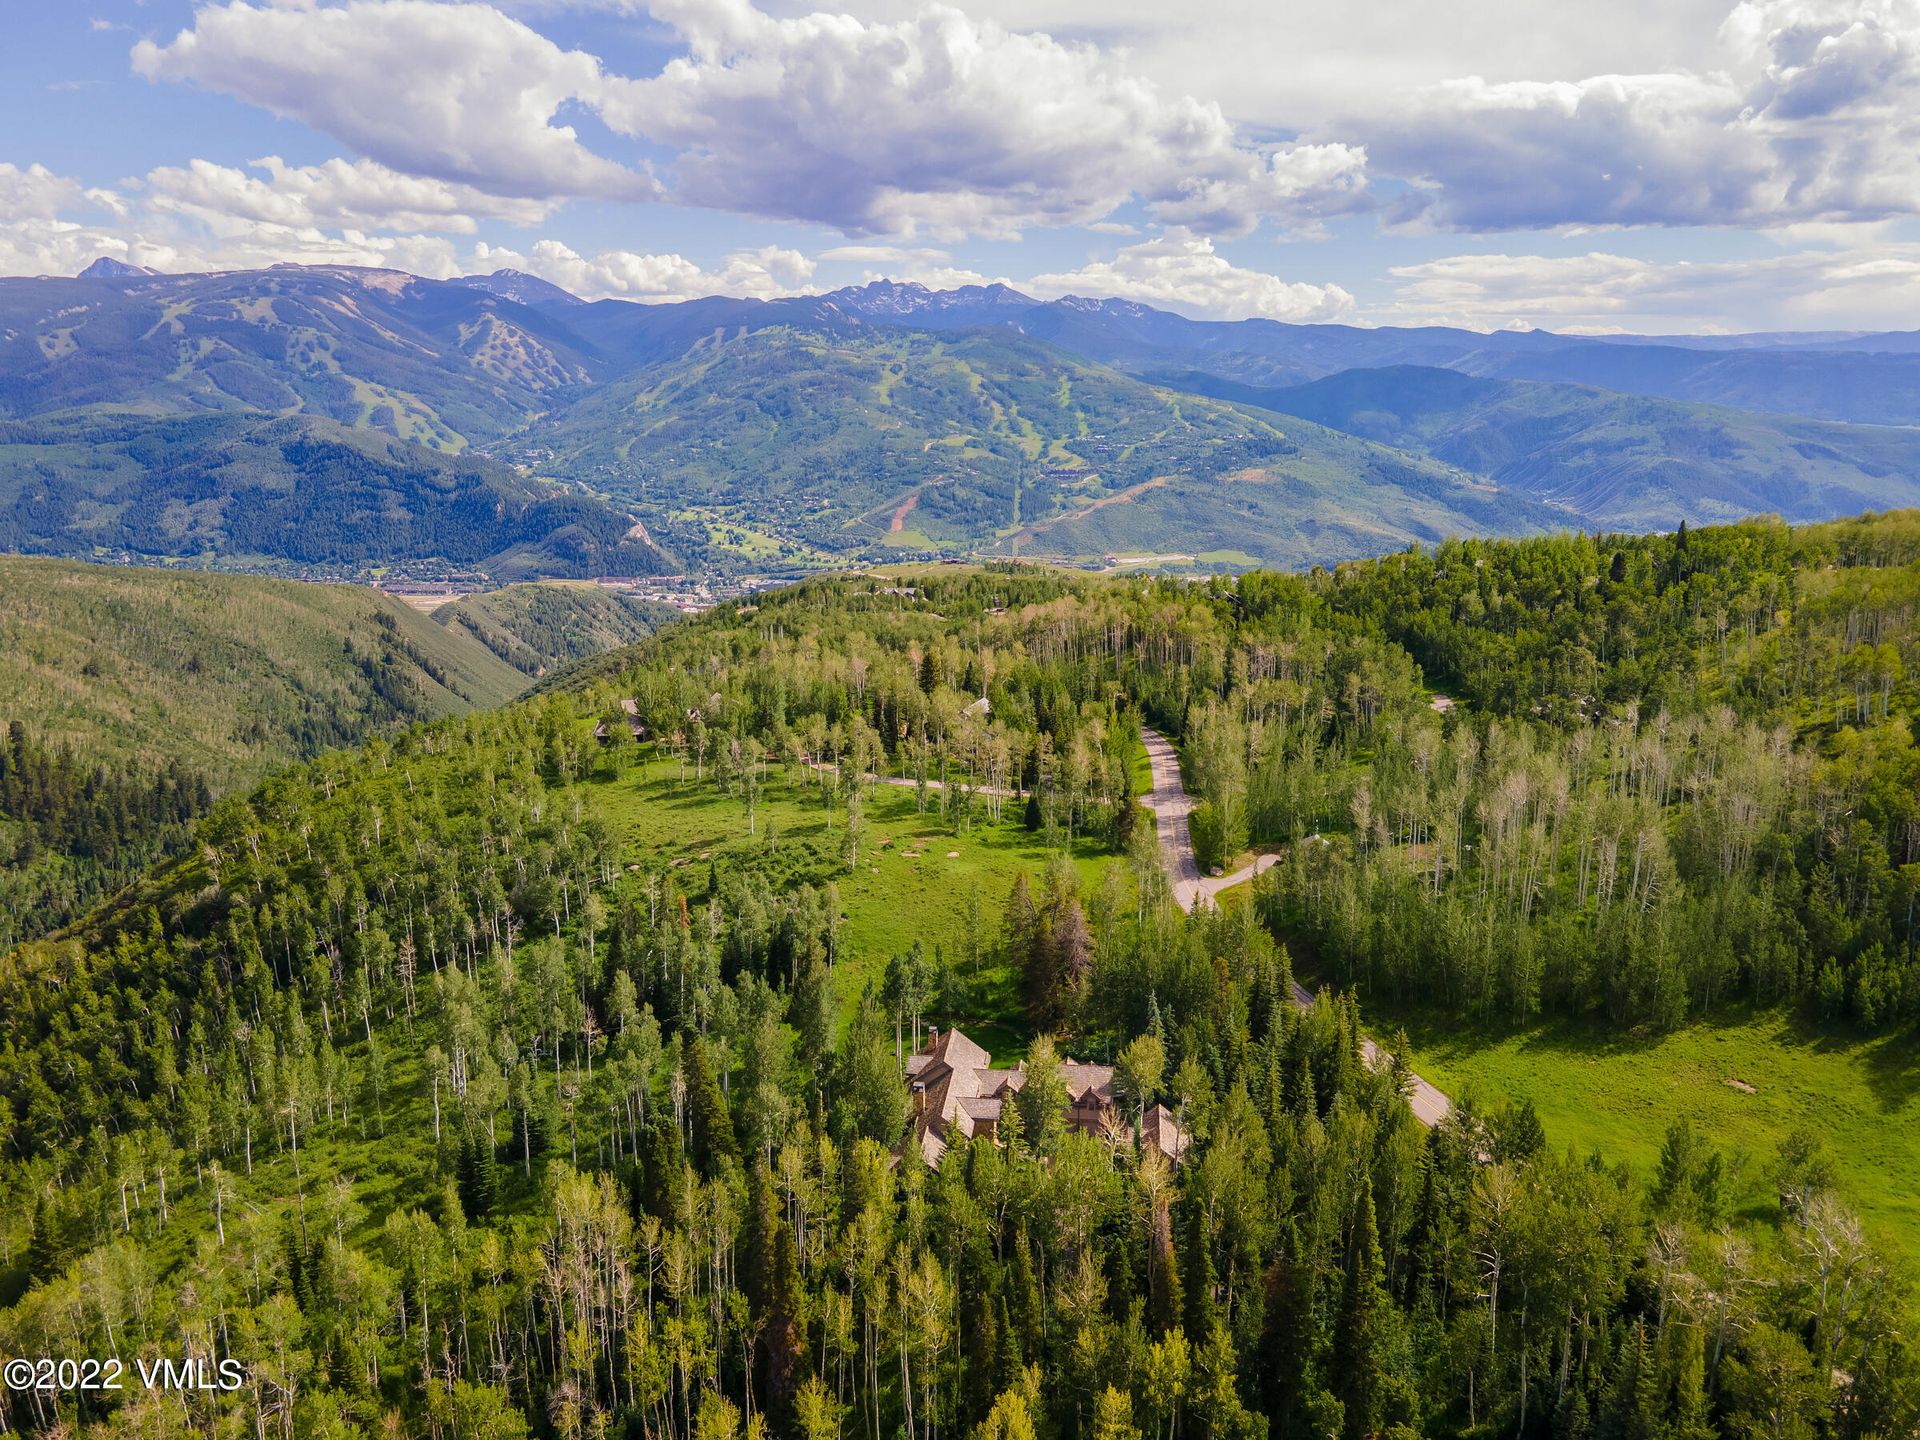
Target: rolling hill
(1622, 461)
(94, 657)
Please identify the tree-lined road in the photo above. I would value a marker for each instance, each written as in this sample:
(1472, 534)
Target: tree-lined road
(1171, 806)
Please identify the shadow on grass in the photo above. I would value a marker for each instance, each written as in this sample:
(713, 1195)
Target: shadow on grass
(1890, 1062)
(1893, 1069)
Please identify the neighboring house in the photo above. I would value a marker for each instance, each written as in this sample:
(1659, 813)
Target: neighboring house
(631, 709)
(957, 1090)
(982, 706)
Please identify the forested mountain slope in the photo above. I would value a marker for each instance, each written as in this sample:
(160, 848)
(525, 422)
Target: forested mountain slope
(299, 489)
(538, 628)
(323, 415)
(441, 365)
(987, 443)
(1619, 461)
(135, 696)
(503, 1083)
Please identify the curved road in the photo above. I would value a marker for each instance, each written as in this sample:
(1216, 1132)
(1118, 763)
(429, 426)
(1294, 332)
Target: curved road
(1171, 805)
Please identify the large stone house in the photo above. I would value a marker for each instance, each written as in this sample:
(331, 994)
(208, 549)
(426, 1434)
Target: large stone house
(956, 1089)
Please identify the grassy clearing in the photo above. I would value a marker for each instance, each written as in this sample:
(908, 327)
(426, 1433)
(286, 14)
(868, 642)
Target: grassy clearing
(1599, 1091)
(918, 876)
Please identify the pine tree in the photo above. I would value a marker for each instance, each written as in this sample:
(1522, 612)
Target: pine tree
(1197, 1272)
(662, 1159)
(1009, 1362)
(981, 1336)
(1359, 1359)
(1286, 1337)
(1166, 1306)
(1685, 1367)
(714, 1144)
(783, 1347)
(478, 1174)
(1631, 1404)
(1024, 1293)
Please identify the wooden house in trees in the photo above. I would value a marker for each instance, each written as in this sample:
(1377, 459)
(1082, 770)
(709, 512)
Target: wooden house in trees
(957, 1089)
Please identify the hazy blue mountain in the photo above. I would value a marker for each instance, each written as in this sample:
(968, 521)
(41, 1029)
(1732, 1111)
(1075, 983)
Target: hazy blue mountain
(108, 268)
(894, 302)
(1866, 387)
(1619, 461)
(521, 288)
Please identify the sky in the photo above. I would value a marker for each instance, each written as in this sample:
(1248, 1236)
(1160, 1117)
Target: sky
(1653, 166)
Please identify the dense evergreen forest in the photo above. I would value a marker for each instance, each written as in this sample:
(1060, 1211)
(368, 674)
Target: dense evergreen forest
(70, 832)
(425, 1093)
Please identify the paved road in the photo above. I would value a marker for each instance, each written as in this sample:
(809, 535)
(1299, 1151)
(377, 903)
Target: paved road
(1171, 805)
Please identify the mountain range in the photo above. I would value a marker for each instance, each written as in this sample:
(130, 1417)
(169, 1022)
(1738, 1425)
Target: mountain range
(334, 415)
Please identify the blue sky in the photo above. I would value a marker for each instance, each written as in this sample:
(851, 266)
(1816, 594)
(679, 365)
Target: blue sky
(1664, 167)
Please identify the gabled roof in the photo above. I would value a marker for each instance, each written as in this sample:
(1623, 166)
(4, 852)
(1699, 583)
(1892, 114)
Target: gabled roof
(952, 1048)
(1084, 1081)
(1163, 1133)
(957, 1089)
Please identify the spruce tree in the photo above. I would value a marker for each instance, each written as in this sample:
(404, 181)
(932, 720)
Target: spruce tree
(1024, 1286)
(1359, 1360)
(1166, 1307)
(1197, 1273)
(714, 1144)
(662, 1158)
(1286, 1337)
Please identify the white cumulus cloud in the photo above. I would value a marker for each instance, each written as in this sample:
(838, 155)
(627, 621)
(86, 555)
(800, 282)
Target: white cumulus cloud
(626, 275)
(1851, 288)
(1183, 273)
(938, 123)
(460, 93)
(1815, 116)
(360, 194)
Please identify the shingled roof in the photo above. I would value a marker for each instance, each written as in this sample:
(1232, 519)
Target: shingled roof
(957, 1090)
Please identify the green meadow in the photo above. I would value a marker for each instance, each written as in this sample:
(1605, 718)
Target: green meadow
(919, 875)
(1745, 1081)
